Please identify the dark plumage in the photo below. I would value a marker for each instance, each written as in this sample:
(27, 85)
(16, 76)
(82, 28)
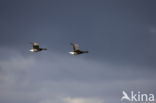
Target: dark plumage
(36, 47)
(76, 49)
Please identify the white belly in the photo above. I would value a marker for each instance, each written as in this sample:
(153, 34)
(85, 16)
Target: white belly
(73, 53)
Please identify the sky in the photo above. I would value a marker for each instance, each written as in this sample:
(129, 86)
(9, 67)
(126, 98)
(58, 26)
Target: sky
(120, 36)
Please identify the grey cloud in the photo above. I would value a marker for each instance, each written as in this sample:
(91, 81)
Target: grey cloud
(114, 30)
(119, 36)
(39, 78)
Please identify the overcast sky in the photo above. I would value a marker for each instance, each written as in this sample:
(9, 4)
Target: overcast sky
(120, 36)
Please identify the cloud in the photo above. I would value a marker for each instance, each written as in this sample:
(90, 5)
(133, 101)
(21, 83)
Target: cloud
(58, 78)
(14, 70)
(152, 29)
(82, 100)
(121, 51)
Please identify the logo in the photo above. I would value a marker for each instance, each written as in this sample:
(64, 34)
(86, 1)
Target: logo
(137, 97)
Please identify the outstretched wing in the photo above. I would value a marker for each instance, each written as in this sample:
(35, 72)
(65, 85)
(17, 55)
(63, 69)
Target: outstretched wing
(75, 46)
(35, 46)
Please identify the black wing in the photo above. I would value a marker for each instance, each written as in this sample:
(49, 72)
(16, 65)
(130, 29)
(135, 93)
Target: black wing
(35, 46)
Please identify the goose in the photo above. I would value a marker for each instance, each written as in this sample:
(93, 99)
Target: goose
(76, 49)
(36, 47)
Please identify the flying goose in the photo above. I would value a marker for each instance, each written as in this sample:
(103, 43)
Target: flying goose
(36, 48)
(76, 49)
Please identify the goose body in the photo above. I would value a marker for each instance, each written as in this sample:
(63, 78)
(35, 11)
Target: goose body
(36, 47)
(76, 49)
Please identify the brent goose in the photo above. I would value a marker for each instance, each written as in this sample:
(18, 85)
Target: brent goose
(36, 48)
(76, 49)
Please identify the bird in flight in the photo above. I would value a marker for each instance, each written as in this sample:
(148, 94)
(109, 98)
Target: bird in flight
(36, 47)
(76, 49)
